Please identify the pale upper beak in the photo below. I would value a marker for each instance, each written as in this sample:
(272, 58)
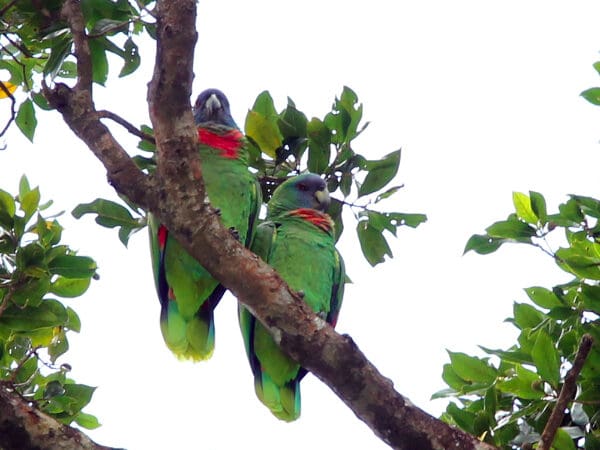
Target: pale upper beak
(323, 199)
(212, 103)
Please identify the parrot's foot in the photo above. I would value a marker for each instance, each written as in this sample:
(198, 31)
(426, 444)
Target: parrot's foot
(300, 293)
(218, 211)
(235, 233)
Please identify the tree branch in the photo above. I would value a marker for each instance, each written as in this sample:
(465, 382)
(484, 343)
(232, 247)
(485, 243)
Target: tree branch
(104, 114)
(24, 427)
(567, 393)
(177, 199)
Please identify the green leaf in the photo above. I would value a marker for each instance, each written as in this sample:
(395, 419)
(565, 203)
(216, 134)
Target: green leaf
(543, 297)
(264, 104)
(80, 393)
(131, 56)
(31, 291)
(73, 322)
(30, 202)
(319, 146)
(592, 95)
(69, 287)
(346, 183)
(26, 120)
(546, 358)
(49, 314)
(525, 384)
(471, 368)
(562, 441)
(72, 266)
(388, 193)
(588, 205)
(58, 346)
(99, 61)
(592, 440)
(464, 419)
(591, 297)
(511, 229)
(381, 172)
(523, 208)
(87, 421)
(526, 316)
(61, 48)
(41, 102)
(570, 211)
(483, 244)
(538, 205)
(110, 214)
(7, 209)
(292, 123)
(24, 186)
(335, 211)
(373, 244)
(264, 130)
(452, 379)
(53, 389)
(582, 259)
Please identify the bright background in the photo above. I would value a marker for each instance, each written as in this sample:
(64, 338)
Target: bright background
(481, 95)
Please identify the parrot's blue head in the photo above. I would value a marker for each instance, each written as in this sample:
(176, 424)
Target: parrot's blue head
(303, 191)
(212, 106)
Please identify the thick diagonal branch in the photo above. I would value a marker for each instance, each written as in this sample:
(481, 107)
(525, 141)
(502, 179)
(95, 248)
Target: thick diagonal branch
(177, 198)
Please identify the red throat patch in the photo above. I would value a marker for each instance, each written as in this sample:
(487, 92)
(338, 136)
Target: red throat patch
(317, 218)
(229, 143)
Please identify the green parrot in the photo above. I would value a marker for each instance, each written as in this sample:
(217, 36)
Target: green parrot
(188, 294)
(297, 240)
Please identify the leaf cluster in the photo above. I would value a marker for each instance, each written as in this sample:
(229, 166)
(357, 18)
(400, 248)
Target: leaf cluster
(35, 268)
(507, 397)
(285, 143)
(36, 44)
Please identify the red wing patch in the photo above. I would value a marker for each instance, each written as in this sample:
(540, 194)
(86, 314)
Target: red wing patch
(229, 143)
(162, 237)
(317, 218)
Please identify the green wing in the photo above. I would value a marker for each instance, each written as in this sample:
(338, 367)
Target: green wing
(188, 294)
(306, 258)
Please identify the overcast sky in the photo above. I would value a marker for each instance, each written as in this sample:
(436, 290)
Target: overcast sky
(483, 98)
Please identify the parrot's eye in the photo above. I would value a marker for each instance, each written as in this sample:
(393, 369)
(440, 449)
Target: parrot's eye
(302, 187)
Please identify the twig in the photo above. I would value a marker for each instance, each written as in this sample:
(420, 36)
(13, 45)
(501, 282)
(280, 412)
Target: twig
(19, 46)
(15, 372)
(122, 26)
(6, 299)
(15, 59)
(13, 112)
(566, 393)
(104, 114)
(7, 7)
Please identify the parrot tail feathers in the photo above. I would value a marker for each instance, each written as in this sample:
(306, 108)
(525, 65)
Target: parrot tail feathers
(192, 339)
(283, 401)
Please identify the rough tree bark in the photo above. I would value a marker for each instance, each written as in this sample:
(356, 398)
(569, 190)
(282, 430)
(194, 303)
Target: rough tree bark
(175, 194)
(24, 427)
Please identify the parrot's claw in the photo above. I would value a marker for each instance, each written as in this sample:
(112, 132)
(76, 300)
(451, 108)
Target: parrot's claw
(300, 293)
(218, 211)
(235, 233)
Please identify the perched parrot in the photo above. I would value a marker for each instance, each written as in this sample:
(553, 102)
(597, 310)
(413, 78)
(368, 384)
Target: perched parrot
(187, 293)
(297, 240)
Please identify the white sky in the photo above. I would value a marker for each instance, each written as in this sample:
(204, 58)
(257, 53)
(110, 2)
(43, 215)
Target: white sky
(483, 98)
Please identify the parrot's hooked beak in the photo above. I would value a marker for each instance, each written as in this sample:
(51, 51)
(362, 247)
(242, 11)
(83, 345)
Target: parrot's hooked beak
(323, 199)
(212, 103)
